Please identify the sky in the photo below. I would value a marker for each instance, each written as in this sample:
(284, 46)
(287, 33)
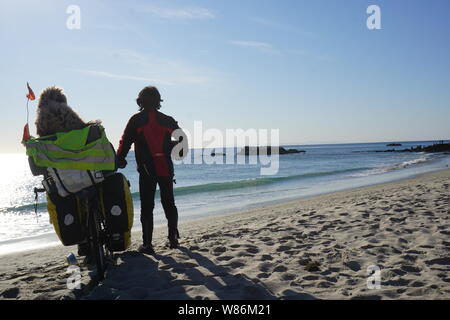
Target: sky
(310, 68)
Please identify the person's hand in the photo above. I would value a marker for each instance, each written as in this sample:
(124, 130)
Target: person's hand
(122, 163)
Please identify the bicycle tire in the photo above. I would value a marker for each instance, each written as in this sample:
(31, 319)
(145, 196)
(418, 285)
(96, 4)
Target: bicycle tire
(97, 248)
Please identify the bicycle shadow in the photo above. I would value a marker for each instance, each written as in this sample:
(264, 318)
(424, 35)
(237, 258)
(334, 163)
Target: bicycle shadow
(161, 277)
(134, 277)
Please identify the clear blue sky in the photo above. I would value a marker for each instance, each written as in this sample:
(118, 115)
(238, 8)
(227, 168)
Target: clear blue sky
(310, 68)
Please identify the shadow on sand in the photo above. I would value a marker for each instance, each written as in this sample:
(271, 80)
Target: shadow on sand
(189, 276)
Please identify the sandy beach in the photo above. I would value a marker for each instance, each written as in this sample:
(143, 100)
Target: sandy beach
(314, 248)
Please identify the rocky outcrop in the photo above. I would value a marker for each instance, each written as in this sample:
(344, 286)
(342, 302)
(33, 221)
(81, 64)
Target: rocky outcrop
(256, 150)
(437, 147)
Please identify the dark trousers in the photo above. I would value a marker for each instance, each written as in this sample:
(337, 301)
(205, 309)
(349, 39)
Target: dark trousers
(147, 189)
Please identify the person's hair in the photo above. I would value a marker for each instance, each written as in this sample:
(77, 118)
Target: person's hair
(54, 115)
(149, 98)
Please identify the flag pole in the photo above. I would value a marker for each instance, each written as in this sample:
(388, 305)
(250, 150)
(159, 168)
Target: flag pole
(27, 110)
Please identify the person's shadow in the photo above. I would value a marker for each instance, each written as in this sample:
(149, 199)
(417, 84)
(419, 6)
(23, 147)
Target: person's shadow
(209, 277)
(159, 277)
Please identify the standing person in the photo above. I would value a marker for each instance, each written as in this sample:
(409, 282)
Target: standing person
(151, 132)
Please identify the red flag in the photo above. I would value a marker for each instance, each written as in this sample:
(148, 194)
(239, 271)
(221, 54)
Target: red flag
(30, 94)
(26, 133)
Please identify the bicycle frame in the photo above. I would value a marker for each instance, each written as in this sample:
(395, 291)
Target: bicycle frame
(96, 231)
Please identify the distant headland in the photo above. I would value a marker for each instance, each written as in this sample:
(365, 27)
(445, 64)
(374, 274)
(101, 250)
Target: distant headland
(437, 147)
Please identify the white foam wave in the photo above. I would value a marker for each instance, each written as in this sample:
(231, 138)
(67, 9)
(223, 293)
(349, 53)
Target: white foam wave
(403, 165)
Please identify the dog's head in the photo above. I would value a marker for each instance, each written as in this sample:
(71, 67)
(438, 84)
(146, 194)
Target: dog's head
(54, 115)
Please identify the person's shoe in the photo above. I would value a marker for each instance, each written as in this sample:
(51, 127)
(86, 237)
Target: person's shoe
(146, 249)
(173, 243)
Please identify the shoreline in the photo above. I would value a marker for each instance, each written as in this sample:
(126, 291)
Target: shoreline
(271, 245)
(46, 243)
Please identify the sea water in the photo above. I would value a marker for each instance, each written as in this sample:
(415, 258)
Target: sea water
(209, 189)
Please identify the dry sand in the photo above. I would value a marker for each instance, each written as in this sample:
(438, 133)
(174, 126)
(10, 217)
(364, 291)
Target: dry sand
(312, 248)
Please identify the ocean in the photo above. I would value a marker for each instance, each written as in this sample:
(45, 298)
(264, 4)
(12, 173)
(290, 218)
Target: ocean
(210, 189)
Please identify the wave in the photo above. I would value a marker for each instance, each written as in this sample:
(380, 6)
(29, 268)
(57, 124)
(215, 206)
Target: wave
(403, 165)
(212, 187)
(406, 164)
(254, 182)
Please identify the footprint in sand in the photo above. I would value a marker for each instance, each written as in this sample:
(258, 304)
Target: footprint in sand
(310, 278)
(410, 269)
(398, 272)
(287, 238)
(252, 250)
(330, 271)
(397, 220)
(283, 248)
(400, 282)
(324, 284)
(219, 250)
(10, 293)
(266, 257)
(331, 279)
(288, 276)
(412, 251)
(409, 258)
(440, 261)
(236, 264)
(263, 275)
(353, 265)
(417, 284)
(361, 204)
(224, 258)
(265, 267)
(280, 269)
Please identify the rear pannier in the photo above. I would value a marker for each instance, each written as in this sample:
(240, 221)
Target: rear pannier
(117, 208)
(67, 217)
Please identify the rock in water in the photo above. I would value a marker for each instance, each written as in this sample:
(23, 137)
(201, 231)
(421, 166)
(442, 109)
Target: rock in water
(247, 151)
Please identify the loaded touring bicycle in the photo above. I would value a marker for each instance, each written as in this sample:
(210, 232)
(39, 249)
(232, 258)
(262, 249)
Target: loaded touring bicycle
(88, 202)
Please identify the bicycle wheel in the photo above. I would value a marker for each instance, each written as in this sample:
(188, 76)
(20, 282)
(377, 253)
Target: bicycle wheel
(96, 244)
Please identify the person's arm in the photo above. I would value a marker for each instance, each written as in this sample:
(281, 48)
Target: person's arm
(128, 138)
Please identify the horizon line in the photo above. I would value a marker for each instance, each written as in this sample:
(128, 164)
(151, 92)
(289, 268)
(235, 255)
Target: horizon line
(302, 144)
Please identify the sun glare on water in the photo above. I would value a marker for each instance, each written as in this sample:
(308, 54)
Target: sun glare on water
(17, 182)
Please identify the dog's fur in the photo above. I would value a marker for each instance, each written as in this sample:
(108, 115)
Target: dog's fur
(54, 115)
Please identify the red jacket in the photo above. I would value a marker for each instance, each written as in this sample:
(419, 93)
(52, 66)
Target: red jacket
(150, 131)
